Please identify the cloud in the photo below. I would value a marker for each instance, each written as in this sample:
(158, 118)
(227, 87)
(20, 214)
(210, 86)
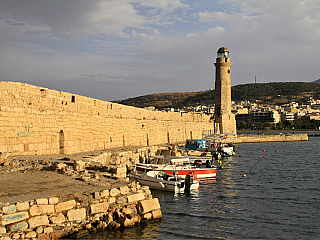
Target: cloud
(114, 49)
(13, 23)
(213, 16)
(165, 5)
(72, 18)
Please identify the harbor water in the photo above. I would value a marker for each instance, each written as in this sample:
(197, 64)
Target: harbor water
(278, 198)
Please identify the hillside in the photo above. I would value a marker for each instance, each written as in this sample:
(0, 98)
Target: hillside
(266, 93)
(159, 100)
(317, 81)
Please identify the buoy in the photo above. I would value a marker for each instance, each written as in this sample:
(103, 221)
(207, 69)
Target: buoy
(263, 150)
(289, 148)
(244, 175)
(264, 156)
(276, 151)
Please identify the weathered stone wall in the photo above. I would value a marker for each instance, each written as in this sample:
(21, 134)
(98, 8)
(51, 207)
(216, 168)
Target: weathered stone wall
(37, 121)
(53, 218)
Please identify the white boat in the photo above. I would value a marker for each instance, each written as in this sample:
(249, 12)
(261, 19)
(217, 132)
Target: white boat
(180, 166)
(212, 143)
(170, 183)
(220, 143)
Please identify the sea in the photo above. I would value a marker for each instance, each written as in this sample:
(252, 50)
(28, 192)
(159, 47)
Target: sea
(266, 191)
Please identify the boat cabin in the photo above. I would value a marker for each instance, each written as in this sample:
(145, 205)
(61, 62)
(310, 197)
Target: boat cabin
(195, 144)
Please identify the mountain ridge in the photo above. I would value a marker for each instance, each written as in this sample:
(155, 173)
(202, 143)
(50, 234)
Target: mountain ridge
(267, 93)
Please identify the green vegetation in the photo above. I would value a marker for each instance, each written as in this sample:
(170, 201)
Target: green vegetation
(266, 93)
(205, 98)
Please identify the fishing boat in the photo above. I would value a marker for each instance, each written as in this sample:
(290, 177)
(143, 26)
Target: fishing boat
(162, 181)
(180, 166)
(216, 144)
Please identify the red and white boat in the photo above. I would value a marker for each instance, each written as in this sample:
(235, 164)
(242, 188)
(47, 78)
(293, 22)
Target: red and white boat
(180, 166)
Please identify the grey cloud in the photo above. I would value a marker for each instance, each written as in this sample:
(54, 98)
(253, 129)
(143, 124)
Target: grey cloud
(13, 23)
(273, 40)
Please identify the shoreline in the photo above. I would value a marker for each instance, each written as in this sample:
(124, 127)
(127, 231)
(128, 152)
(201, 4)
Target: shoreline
(58, 196)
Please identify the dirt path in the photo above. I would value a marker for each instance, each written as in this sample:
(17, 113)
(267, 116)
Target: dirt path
(35, 184)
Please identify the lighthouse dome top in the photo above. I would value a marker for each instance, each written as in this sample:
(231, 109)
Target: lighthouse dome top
(223, 52)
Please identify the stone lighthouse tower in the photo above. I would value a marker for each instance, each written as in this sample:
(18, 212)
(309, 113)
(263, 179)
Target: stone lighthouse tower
(224, 119)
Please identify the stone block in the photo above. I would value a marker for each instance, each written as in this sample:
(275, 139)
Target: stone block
(48, 230)
(147, 216)
(60, 166)
(76, 214)
(146, 206)
(22, 206)
(65, 205)
(124, 190)
(127, 211)
(148, 191)
(55, 236)
(136, 219)
(41, 209)
(47, 209)
(53, 200)
(104, 193)
(39, 230)
(3, 230)
(13, 218)
(79, 165)
(15, 236)
(121, 200)
(120, 175)
(114, 192)
(38, 221)
(21, 226)
(31, 234)
(42, 201)
(58, 219)
(97, 195)
(156, 214)
(35, 210)
(145, 188)
(126, 222)
(135, 197)
(111, 200)
(99, 208)
(9, 209)
(44, 236)
(121, 170)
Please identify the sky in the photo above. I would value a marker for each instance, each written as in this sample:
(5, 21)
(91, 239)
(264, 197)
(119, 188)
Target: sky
(118, 49)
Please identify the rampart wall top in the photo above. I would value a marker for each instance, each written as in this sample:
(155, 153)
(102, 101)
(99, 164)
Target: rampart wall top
(17, 94)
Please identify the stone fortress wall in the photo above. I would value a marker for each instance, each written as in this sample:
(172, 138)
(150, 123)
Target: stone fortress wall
(37, 121)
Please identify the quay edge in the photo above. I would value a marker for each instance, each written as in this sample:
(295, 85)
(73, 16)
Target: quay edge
(251, 138)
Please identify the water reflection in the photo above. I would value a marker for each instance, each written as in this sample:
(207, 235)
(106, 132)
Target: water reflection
(279, 198)
(144, 231)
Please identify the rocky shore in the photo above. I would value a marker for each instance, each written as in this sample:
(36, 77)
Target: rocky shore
(57, 196)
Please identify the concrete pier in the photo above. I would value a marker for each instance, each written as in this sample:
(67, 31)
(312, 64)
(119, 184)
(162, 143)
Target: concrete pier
(253, 138)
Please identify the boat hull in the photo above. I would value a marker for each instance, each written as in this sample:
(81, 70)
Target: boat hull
(198, 173)
(170, 185)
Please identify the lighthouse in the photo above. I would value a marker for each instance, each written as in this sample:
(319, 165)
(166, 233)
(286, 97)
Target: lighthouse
(224, 119)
